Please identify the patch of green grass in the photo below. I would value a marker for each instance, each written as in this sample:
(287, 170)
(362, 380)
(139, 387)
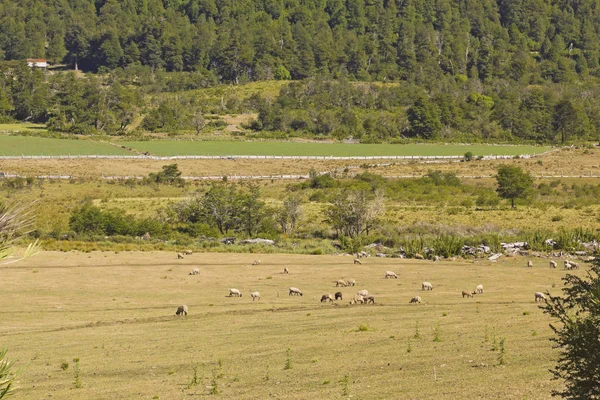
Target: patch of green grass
(214, 148)
(17, 127)
(36, 146)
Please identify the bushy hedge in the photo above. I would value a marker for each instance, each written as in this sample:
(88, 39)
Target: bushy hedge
(89, 219)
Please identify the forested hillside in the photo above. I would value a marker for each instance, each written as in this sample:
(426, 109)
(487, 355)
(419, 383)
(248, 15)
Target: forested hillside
(366, 39)
(490, 69)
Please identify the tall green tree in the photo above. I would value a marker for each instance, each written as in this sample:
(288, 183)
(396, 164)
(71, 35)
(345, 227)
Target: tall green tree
(513, 183)
(569, 121)
(424, 119)
(577, 335)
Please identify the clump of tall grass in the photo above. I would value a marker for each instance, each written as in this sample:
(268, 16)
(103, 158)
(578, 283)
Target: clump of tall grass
(447, 245)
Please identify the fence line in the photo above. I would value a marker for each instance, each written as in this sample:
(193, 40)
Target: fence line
(233, 157)
(279, 177)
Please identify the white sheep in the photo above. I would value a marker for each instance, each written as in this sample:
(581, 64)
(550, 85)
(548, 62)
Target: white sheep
(426, 286)
(182, 310)
(188, 252)
(416, 299)
(234, 293)
(255, 296)
(529, 264)
(574, 265)
(179, 256)
(479, 289)
(568, 265)
(390, 274)
(295, 292)
(286, 271)
(350, 282)
(326, 297)
(195, 271)
(539, 296)
(358, 299)
(341, 283)
(362, 293)
(552, 264)
(256, 262)
(357, 261)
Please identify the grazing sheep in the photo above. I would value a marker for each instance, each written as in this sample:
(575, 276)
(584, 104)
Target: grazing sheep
(195, 271)
(390, 274)
(370, 299)
(179, 256)
(574, 265)
(552, 264)
(256, 262)
(529, 264)
(416, 299)
(187, 252)
(326, 297)
(350, 282)
(341, 283)
(235, 293)
(362, 293)
(255, 296)
(568, 265)
(419, 256)
(286, 271)
(357, 261)
(358, 299)
(295, 291)
(338, 296)
(436, 258)
(467, 294)
(426, 286)
(182, 310)
(479, 289)
(539, 296)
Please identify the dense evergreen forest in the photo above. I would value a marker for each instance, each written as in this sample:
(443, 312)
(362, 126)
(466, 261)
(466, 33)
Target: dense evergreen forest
(484, 69)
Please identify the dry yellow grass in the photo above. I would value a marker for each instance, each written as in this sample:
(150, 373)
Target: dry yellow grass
(564, 161)
(115, 312)
(219, 167)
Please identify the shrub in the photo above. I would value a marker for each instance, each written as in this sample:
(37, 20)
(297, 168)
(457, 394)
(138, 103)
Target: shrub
(282, 74)
(318, 196)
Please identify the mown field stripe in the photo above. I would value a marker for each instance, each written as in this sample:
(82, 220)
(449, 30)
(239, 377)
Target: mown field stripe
(36, 146)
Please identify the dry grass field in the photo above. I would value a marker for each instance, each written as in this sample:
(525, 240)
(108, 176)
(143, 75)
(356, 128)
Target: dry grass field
(567, 162)
(116, 314)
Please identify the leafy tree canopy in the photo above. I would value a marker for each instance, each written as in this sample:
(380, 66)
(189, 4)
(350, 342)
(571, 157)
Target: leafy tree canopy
(513, 183)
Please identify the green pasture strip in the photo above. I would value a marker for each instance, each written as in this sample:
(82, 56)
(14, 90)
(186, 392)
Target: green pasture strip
(35, 146)
(184, 148)
(18, 127)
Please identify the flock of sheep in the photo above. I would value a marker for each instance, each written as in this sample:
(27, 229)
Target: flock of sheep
(362, 296)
